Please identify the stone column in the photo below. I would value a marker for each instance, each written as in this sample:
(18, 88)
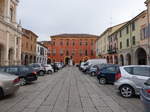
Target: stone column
(7, 10)
(19, 50)
(6, 49)
(15, 50)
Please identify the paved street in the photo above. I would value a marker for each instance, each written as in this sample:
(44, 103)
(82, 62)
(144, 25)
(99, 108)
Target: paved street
(69, 90)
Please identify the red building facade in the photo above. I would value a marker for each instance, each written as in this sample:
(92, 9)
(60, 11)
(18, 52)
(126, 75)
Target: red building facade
(78, 47)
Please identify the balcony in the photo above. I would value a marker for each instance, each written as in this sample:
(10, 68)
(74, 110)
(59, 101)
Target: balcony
(112, 51)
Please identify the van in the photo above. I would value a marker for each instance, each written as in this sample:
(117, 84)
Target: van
(93, 62)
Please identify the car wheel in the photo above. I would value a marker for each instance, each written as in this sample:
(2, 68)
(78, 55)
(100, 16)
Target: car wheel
(126, 91)
(1, 93)
(41, 73)
(23, 81)
(49, 72)
(93, 74)
(102, 80)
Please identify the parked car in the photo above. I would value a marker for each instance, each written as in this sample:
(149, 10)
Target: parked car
(145, 95)
(26, 74)
(93, 62)
(39, 68)
(9, 84)
(59, 65)
(107, 74)
(49, 69)
(131, 79)
(93, 69)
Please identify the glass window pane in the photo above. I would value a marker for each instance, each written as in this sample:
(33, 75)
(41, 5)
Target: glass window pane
(142, 71)
(129, 69)
(12, 70)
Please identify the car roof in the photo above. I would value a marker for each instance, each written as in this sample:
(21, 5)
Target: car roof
(136, 66)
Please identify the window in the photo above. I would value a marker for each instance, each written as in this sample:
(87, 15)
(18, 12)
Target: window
(120, 45)
(144, 33)
(12, 70)
(27, 45)
(24, 69)
(2, 69)
(133, 26)
(120, 33)
(80, 52)
(92, 53)
(141, 71)
(127, 29)
(128, 69)
(31, 47)
(92, 42)
(67, 52)
(73, 52)
(61, 42)
(17, 40)
(80, 42)
(110, 69)
(67, 43)
(127, 42)
(133, 40)
(86, 52)
(54, 52)
(11, 14)
(61, 52)
(73, 42)
(54, 43)
(86, 43)
(148, 82)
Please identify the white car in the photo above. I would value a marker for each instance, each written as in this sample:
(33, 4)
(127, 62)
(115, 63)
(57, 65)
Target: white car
(49, 69)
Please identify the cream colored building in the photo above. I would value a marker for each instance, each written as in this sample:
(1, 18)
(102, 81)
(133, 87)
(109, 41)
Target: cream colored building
(10, 33)
(131, 37)
(102, 43)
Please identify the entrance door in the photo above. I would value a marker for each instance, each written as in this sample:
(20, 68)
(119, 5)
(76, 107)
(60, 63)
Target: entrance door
(67, 59)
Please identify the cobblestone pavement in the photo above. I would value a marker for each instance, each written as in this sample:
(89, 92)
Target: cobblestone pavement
(69, 90)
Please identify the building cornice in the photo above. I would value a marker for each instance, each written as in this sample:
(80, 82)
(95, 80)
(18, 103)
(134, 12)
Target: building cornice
(11, 26)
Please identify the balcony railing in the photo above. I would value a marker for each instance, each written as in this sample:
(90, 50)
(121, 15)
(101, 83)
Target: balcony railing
(112, 51)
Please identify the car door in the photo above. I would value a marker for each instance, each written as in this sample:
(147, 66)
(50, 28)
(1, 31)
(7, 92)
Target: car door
(109, 73)
(140, 75)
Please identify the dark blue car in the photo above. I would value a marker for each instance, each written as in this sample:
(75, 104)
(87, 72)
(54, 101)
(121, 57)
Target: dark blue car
(107, 74)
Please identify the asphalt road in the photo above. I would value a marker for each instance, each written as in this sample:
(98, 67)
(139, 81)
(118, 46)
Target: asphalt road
(69, 90)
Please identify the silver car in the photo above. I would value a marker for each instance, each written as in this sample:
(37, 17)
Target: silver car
(9, 84)
(131, 79)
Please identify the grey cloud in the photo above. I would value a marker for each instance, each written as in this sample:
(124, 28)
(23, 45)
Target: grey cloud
(49, 17)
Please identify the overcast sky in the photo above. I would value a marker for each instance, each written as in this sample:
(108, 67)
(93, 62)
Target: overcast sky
(50, 17)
